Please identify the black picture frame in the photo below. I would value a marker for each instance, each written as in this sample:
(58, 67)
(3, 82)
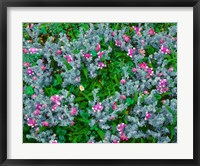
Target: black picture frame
(4, 4)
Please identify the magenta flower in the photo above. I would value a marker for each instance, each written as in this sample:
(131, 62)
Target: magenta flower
(58, 52)
(53, 141)
(69, 58)
(121, 126)
(151, 32)
(46, 124)
(123, 81)
(33, 50)
(113, 34)
(114, 106)
(150, 71)
(115, 141)
(123, 97)
(36, 112)
(39, 106)
(100, 54)
(170, 69)
(26, 64)
(25, 51)
(134, 70)
(165, 50)
(56, 99)
(73, 111)
(123, 137)
(101, 65)
(29, 71)
(146, 92)
(137, 30)
(118, 43)
(31, 122)
(87, 55)
(143, 65)
(98, 107)
(131, 52)
(98, 47)
(161, 41)
(126, 38)
(162, 86)
(43, 68)
(54, 107)
(148, 115)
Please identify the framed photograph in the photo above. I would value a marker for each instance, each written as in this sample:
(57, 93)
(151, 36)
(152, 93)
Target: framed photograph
(99, 82)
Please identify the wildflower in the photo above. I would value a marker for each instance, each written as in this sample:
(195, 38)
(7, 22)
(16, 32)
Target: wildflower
(25, 51)
(151, 32)
(69, 58)
(146, 92)
(101, 65)
(142, 41)
(46, 124)
(58, 52)
(31, 122)
(165, 50)
(53, 141)
(126, 38)
(87, 56)
(98, 47)
(137, 30)
(162, 86)
(161, 41)
(43, 67)
(33, 50)
(143, 65)
(29, 71)
(115, 141)
(120, 127)
(98, 107)
(26, 64)
(56, 99)
(122, 81)
(148, 115)
(150, 71)
(73, 111)
(37, 129)
(123, 137)
(134, 70)
(100, 54)
(170, 69)
(36, 112)
(123, 97)
(54, 107)
(131, 51)
(114, 106)
(113, 34)
(34, 96)
(39, 106)
(112, 118)
(118, 43)
(81, 88)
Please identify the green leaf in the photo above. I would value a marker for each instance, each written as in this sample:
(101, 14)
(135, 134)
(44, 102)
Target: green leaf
(129, 101)
(94, 53)
(101, 134)
(29, 90)
(85, 71)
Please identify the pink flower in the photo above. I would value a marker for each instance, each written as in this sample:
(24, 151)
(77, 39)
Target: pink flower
(161, 41)
(39, 106)
(31, 26)
(37, 129)
(45, 124)
(146, 92)
(148, 115)
(160, 74)
(131, 52)
(143, 65)
(115, 141)
(53, 142)
(73, 123)
(112, 118)
(151, 32)
(170, 69)
(87, 55)
(101, 65)
(118, 43)
(113, 34)
(43, 67)
(98, 47)
(97, 107)
(73, 111)
(100, 54)
(123, 137)
(25, 51)
(123, 81)
(150, 71)
(120, 127)
(29, 71)
(123, 97)
(163, 101)
(36, 112)
(58, 52)
(31, 122)
(134, 70)
(142, 41)
(34, 96)
(54, 107)
(137, 30)
(34, 78)
(114, 106)
(56, 99)
(162, 86)
(126, 38)
(165, 50)
(26, 64)
(69, 58)
(33, 50)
